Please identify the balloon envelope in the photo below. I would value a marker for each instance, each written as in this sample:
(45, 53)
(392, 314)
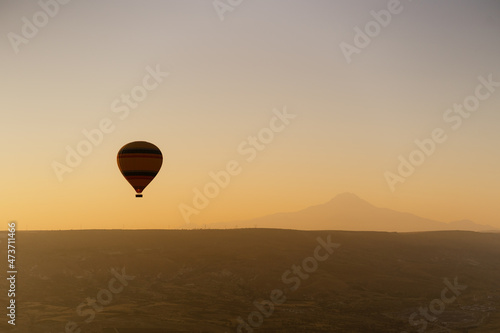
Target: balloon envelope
(139, 162)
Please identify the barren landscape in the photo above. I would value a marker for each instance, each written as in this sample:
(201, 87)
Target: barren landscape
(211, 281)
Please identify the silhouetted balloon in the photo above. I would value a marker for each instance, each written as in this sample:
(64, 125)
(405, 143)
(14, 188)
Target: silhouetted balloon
(139, 162)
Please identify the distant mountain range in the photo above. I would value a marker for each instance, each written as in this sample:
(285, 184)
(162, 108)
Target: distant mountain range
(349, 212)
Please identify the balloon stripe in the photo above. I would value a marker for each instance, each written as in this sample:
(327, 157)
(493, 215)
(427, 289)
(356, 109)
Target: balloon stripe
(148, 164)
(140, 151)
(139, 177)
(140, 173)
(140, 156)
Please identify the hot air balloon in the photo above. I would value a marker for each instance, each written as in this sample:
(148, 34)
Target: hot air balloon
(139, 162)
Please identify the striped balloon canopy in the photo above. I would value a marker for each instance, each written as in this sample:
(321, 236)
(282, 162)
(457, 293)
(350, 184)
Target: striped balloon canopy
(139, 162)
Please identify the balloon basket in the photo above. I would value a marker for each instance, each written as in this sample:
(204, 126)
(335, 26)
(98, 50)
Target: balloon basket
(138, 195)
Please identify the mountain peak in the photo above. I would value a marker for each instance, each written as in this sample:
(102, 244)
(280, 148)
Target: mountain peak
(347, 197)
(347, 211)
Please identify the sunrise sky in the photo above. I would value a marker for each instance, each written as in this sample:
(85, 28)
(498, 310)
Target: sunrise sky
(227, 79)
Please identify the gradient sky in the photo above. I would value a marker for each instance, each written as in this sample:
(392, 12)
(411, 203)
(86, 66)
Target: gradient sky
(225, 78)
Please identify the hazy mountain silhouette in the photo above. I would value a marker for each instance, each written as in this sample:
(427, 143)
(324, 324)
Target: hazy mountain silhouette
(349, 212)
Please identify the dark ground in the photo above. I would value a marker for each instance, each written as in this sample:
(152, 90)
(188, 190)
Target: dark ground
(203, 280)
